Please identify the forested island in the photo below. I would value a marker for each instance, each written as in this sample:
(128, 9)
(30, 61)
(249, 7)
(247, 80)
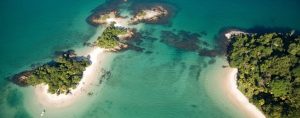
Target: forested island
(109, 38)
(268, 71)
(61, 74)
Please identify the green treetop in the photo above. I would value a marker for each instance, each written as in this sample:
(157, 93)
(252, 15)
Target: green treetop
(61, 75)
(269, 71)
(109, 38)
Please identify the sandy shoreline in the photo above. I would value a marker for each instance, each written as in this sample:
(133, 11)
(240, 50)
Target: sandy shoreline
(89, 76)
(237, 97)
(233, 93)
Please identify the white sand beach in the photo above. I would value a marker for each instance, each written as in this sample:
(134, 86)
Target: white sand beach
(234, 32)
(119, 22)
(230, 87)
(221, 84)
(89, 76)
(237, 97)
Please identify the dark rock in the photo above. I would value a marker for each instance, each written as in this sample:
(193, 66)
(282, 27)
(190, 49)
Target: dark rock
(224, 66)
(21, 78)
(90, 93)
(68, 53)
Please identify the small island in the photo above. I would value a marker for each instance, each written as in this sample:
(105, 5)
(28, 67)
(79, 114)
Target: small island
(114, 38)
(149, 15)
(108, 18)
(109, 38)
(103, 18)
(268, 71)
(61, 75)
(118, 30)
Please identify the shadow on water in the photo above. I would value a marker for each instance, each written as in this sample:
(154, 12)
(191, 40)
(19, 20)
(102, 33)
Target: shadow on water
(263, 30)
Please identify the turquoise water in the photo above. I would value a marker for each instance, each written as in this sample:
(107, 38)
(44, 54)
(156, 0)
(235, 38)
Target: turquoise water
(167, 83)
(32, 31)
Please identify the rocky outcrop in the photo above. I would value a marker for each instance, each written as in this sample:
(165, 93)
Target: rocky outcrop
(21, 78)
(102, 18)
(152, 15)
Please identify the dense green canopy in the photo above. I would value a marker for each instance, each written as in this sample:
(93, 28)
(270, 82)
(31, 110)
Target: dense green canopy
(62, 74)
(269, 71)
(109, 37)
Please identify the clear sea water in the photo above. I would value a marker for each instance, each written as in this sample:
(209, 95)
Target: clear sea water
(167, 83)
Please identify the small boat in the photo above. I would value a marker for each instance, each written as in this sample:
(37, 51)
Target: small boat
(42, 114)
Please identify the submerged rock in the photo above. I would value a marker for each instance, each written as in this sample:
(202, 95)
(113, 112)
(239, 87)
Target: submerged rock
(106, 74)
(183, 40)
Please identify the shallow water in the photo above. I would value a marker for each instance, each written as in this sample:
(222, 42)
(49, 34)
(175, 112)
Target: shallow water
(166, 83)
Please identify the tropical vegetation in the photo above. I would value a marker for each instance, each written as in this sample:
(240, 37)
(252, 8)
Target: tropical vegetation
(109, 38)
(268, 71)
(61, 75)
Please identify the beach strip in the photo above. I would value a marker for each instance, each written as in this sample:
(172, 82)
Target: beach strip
(237, 97)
